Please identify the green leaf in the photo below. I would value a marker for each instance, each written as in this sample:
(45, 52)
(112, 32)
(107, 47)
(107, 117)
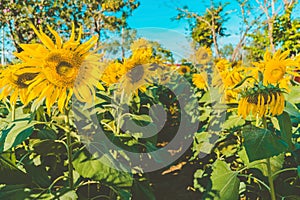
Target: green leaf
(141, 189)
(142, 118)
(224, 181)
(293, 96)
(16, 133)
(14, 192)
(262, 143)
(285, 125)
(49, 147)
(70, 195)
(89, 166)
(292, 109)
(233, 121)
(276, 164)
(203, 144)
(10, 173)
(46, 133)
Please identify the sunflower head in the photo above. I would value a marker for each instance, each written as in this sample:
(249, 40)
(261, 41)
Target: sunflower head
(202, 55)
(200, 80)
(137, 78)
(113, 72)
(222, 64)
(142, 51)
(62, 68)
(260, 101)
(183, 69)
(275, 67)
(14, 83)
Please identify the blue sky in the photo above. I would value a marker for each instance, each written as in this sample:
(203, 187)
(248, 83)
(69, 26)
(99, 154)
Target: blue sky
(152, 19)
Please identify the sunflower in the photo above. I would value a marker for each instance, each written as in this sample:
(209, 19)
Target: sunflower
(142, 51)
(230, 96)
(200, 80)
(275, 67)
(231, 78)
(15, 84)
(63, 69)
(261, 101)
(222, 64)
(202, 55)
(138, 77)
(112, 73)
(183, 69)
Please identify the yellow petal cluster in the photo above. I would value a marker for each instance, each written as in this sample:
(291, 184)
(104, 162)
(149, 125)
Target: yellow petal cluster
(200, 80)
(275, 67)
(226, 75)
(14, 84)
(261, 104)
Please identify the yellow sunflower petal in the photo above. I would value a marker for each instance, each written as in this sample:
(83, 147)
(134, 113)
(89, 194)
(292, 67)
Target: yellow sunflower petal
(284, 55)
(267, 55)
(79, 35)
(82, 49)
(58, 39)
(71, 91)
(46, 40)
(61, 100)
(14, 97)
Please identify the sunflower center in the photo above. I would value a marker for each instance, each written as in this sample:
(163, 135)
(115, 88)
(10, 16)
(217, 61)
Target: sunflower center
(204, 55)
(184, 70)
(62, 67)
(136, 74)
(22, 80)
(254, 98)
(65, 69)
(274, 72)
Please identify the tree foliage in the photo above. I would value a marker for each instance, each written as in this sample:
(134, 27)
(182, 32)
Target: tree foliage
(95, 16)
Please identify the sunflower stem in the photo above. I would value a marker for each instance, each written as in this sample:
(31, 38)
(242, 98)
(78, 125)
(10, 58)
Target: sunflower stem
(69, 151)
(270, 176)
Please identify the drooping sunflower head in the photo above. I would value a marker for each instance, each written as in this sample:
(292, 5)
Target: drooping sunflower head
(200, 80)
(260, 101)
(63, 69)
(15, 84)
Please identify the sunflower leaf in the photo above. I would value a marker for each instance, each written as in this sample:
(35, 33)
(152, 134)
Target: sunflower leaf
(224, 181)
(89, 166)
(10, 173)
(16, 133)
(285, 125)
(262, 143)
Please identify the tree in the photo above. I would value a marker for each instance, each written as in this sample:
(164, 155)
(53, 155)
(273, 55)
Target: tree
(282, 30)
(95, 16)
(206, 28)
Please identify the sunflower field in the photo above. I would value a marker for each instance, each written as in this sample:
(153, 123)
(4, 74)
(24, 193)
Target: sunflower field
(83, 116)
